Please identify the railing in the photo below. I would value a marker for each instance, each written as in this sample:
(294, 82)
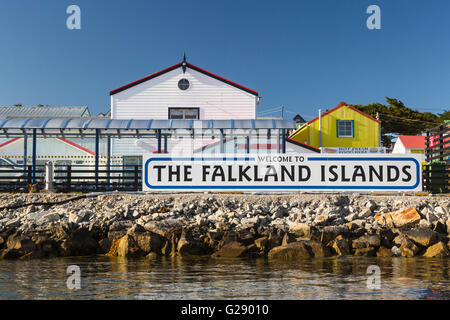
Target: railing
(437, 168)
(15, 178)
(86, 178)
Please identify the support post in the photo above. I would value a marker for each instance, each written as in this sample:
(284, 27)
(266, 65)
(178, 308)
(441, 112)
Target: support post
(247, 144)
(33, 162)
(108, 160)
(283, 140)
(222, 138)
(158, 135)
(25, 151)
(165, 144)
(49, 177)
(97, 149)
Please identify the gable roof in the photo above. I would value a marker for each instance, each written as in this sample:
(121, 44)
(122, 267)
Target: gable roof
(184, 65)
(43, 112)
(412, 142)
(340, 106)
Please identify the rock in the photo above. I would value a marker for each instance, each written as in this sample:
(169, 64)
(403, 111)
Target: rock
(22, 243)
(400, 219)
(351, 217)
(126, 247)
(152, 256)
(49, 217)
(187, 246)
(13, 223)
(365, 213)
(384, 252)
(321, 220)
(438, 250)
(423, 237)
(288, 238)
(371, 205)
(329, 233)
(396, 251)
(317, 249)
(424, 224)
(262, 244)
(440, 210)
(300, 229)
(365, 252)
(77, 217)
(291, 251)
(372, 240)
(231, 250)
(431, 217)
(341, 245)
(439, 227)
(80, 243)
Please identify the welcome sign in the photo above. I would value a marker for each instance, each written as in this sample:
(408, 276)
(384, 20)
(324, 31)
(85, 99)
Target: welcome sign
(282, 172)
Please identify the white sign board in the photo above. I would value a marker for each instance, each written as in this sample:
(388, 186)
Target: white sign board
(353, 150)
(282, 172)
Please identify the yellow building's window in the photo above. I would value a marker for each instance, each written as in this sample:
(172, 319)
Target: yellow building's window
(345, 128)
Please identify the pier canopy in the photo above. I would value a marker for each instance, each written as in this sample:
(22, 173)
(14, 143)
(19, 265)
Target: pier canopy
(219, 132)
(92, 127)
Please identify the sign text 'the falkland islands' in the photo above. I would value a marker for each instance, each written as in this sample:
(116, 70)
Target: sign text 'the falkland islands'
(282, 172)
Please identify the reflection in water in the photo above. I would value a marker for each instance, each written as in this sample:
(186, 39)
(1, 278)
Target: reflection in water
(203, 278)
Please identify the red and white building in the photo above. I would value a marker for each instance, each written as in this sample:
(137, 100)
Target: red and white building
(409, 144)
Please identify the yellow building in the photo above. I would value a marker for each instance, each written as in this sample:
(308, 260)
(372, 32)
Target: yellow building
(342, 126)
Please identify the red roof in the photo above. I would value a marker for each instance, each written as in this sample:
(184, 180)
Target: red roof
(179, 65)
(340, 106)
(413, 142)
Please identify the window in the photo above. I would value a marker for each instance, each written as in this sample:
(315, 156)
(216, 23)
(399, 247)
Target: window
(345, 128)
(183, 113)
(183, 84)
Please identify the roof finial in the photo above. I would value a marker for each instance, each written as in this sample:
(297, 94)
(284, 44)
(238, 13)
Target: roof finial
(183, 64)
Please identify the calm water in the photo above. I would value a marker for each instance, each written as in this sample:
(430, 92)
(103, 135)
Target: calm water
(329, 278)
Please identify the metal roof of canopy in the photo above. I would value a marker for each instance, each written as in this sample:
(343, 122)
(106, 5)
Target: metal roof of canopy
(90, 124)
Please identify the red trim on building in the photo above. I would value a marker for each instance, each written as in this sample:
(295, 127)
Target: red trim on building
(175, 66)
(73, 144)
(303, 145)
(9, 141)
(221, 78)
(340, 106)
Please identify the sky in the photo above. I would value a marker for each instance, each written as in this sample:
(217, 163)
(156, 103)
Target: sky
(303, 55)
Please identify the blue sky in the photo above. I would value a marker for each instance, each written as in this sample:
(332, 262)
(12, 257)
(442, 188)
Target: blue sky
(304, 55)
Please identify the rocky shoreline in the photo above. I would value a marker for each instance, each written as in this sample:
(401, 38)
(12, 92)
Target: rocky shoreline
(284, 227)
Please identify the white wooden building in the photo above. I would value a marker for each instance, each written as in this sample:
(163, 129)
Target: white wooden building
(183, 91)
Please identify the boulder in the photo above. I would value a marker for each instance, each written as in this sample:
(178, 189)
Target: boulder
(233, 249)
(291, 251)
(80, 243)
(384, 252)
(262, 244)
(329, 233)
(438, 250)
(370, 240)
(288, 238)
(421, 236)
(317, 249)
(300, 229)
(341, 245)
(187, 246)
(365, 252)
(400, 219)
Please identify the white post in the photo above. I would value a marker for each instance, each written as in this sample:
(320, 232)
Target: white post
(320, 128)
(49, 176)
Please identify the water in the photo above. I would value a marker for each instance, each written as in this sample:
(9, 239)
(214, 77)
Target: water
(203, 278)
